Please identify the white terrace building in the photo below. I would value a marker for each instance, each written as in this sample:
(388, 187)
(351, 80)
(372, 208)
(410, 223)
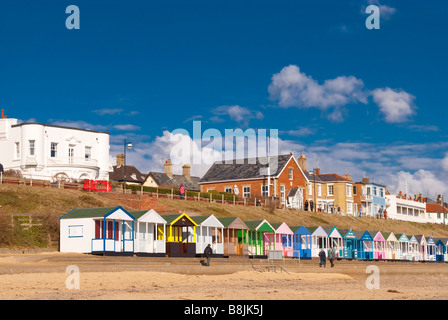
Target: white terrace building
(404, 208)
(49, 152)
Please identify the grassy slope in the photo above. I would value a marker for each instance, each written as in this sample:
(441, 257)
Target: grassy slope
(56, 202)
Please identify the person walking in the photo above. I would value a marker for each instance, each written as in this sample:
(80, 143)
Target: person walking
(182, 192)
(208, 251)
(323, 258)
(331, 256)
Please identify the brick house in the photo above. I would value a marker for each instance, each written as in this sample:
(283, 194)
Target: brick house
(244, 178)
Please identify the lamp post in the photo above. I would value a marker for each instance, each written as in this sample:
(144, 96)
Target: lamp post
(126, 145)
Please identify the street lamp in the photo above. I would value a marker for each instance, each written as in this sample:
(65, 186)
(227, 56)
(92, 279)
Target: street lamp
(126, 145)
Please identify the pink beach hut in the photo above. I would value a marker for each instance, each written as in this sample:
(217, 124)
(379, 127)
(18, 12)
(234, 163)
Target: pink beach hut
(379, 245)
(283, 238)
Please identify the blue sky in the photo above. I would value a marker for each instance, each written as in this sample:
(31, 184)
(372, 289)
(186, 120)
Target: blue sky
(365, 102)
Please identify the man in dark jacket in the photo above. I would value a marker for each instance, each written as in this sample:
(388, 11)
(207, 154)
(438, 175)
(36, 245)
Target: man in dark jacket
(208, 254)
(323, 258)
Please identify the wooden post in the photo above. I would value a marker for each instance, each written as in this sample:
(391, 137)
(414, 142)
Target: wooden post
(199, 194)
(233, 199)
(172, 193)
(210, 197)
(157, 192)
(222, 201)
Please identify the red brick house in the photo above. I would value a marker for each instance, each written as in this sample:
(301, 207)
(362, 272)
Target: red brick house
(250, 178)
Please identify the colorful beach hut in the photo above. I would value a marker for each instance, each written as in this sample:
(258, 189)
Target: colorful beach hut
(392, 246)
(441, 249)
(430, 249)
(414, 248)
(150, 230)
(423, 248)
(319, 240)
(260, 237)
(180, 235)
(404, 253)
(97, 230)
(301, 242)
(235, 235)
(364, 245)
(350, 244)
(209, 230)
(283, 238)
(335, 240)
(379, 245)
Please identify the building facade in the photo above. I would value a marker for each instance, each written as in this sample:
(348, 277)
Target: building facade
(370, 198)
(403, 207)
(56, 153)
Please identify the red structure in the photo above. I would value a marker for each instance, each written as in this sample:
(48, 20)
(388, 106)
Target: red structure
(97, 185)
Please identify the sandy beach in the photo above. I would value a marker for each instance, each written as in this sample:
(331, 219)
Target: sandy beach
(37, 276)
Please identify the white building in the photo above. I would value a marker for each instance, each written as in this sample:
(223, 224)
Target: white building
(50, 152)
(405, 209)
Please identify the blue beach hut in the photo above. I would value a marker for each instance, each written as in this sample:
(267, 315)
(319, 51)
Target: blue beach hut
(364, 245)
(349, 244)
(441, 249)
(301, 242)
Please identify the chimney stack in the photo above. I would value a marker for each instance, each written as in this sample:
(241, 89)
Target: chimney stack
(348, 176)
(3, 114)
(186, 171)
(302, 162)
(168, 168)
(440, 199)
(365, 180)
(316, 171)
(120, 160)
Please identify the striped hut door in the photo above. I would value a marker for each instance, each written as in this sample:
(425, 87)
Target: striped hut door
(97, 229)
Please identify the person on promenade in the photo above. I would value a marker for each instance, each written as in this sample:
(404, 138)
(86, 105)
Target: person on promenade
(182, 192)
(331, 256)
(208, 254)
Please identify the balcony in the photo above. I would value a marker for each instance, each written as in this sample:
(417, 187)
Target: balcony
(71, 161)
(366, 198)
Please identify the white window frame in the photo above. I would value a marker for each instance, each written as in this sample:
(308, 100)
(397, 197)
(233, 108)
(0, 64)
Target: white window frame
(88, 152)
(330, 187)
(17, 150)
(53, 148)
(349, 190)
(246, 191)
(291, 173)
(264, 190)
(32, 147)
(319, 190)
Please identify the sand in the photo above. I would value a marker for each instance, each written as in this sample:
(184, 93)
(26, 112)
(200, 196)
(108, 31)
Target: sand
(43, 276)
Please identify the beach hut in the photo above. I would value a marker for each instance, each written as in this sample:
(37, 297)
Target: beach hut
(414, 248)
(379, 245)
(335, 240)
(319, 240)
(423, 248)
(97, 230)
(441, 249)
(431, 249)
(180, 235)
(364, 245)
(260, 237)
(209, 230)
(301, 242)
(150, 230)
(392, 246)
(283, 238)
(235, 235)
(404, 252)
(350, 244)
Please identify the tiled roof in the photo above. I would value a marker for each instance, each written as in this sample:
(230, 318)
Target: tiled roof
(132, 174)
(241, 169)
(435, 207)
(163, 180)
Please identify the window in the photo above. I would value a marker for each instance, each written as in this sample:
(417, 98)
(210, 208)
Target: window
(374, 191)
(319, 190)
(75, 231)
(17, 151)
(88, 153)
(354, 190)
(228, 189)
(381, 192)
(349, 207)
(310, 189)
(290, 174)
(368, 191)
(54, 150)
(246, 192)
(265, 190)
(282, 193)
(330, 190)
(349, 190)
(32, 147)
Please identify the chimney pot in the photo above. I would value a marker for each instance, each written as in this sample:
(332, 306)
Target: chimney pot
(186, 171)
(120, 159)
(316, 171)
(168, 168)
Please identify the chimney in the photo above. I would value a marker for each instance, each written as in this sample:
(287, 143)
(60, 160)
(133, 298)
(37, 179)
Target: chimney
(365, 180)
(168, 168)
(348, 176)
(439, 199)
(316, 171)
(3, 114)
(302, 162)
(186, 171)
(120, 160)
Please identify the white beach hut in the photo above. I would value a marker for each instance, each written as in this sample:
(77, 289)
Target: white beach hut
(209, 231)
(150, 231)
(97, 230)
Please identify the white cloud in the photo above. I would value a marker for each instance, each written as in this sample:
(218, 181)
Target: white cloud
(396, 106)
(422, 181)
(386, 12)
(293, 88)
(236, 113)
(126, 127)
(445, 162)
(107, 111)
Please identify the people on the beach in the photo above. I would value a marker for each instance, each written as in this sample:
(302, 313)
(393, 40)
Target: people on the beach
(331, 256)
(323, 258)
(208, 251)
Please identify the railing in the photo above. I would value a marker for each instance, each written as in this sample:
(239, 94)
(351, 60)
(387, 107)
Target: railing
(72, 161)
